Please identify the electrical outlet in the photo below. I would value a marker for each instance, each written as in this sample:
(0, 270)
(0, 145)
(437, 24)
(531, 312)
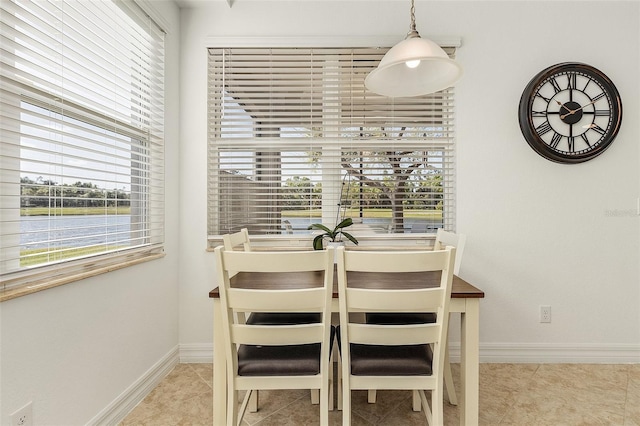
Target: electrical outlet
(22, 417)
(545, 313)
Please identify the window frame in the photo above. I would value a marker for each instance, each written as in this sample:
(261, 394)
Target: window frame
(295, 241)
(18, 280)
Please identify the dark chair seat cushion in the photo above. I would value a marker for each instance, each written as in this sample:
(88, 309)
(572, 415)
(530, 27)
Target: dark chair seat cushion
(284, 318)
(382, 360)
(377, 360)
(399, 318)
(289, 360)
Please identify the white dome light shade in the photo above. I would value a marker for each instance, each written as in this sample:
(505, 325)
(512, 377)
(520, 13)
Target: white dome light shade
(399, 73)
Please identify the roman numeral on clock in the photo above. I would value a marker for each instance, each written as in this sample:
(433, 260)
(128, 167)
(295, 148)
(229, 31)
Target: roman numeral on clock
(555, 140)
(571, 81)
(543, 128)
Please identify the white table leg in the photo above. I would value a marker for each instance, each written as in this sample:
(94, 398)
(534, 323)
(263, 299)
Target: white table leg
(219, 368)
(469, 362)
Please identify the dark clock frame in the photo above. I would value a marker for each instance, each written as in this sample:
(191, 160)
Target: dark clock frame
(558, 77)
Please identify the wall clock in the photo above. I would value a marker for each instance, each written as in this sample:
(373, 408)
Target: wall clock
(570, 112)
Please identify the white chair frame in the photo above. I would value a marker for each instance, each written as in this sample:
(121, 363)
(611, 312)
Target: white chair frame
(352, 300)
(231, 242)
(443, 239)
(241, 300)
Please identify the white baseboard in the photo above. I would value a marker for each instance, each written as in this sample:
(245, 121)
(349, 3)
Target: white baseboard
(518, 353)
(115, 412)
(556, 353)
(196, 353)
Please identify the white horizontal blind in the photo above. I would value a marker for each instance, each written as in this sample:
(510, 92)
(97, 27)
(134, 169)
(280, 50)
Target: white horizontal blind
(81, 94)
(295, 138)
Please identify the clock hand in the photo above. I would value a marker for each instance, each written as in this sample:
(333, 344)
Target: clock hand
(592, 102)
(575, 110)
(563, 106)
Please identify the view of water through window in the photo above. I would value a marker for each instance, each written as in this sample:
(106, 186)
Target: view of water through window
(38, 232)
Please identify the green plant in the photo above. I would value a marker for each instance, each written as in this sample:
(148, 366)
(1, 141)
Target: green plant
(332, 234)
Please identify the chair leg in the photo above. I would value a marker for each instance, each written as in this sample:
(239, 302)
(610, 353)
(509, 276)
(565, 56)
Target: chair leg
(253, 401)
(346, 394)
(448, 379)
(339, 385)
(425, 406)
(248, 397)
(330, 390)
(371, 396)
(437, 407)
(417, 402)
(346, 407)
(324, 403)
(315, 396)
(232, 407)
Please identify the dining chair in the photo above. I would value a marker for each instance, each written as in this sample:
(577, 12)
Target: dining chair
(275, 356)
(394, 356)
(237, 239)
(443, 239)
(240, 241)
(448, 238)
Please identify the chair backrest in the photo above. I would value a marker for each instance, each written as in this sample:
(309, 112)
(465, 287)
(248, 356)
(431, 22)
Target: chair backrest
(286, 298)
(400, 299)
(446, 238)
(231, 241)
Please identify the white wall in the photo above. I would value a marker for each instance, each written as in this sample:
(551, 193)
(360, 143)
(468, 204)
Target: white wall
(75, 349)
(539, 233)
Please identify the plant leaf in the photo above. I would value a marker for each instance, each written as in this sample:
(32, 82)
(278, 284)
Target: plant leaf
(320, 226)
(317, 242)
(346, 222)
(350, 237)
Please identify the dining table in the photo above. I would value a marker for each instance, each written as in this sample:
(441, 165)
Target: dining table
(465, 300)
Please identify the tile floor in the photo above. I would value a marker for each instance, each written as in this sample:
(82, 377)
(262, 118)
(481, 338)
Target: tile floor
(510, 394)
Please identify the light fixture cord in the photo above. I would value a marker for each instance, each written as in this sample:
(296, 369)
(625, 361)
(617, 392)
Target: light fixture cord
(412, 29)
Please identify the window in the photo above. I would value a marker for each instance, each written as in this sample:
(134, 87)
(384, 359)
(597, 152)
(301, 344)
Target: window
(82, 140)
(295, 139)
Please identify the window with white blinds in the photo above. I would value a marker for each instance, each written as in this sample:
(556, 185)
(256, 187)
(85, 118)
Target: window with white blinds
(82, 139)
(295, 139)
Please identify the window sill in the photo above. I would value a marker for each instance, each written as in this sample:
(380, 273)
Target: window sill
(43, 281)
(366, 242)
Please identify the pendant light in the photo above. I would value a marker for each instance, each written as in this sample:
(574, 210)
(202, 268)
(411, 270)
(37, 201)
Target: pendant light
(413, 67)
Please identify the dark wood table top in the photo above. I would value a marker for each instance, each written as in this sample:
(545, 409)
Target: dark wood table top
(269, 280)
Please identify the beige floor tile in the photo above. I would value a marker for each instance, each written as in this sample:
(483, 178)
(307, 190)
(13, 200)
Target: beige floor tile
(571, 394)
(270, 402)
(499, 383)
(510, 394)
(197, 410)
(632, 408)
(180, 396)
(181, 384)
(205, 371)
(386, 401)
(299, 412)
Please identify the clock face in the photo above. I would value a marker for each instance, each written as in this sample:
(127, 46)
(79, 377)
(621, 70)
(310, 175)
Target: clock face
(570, 112)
